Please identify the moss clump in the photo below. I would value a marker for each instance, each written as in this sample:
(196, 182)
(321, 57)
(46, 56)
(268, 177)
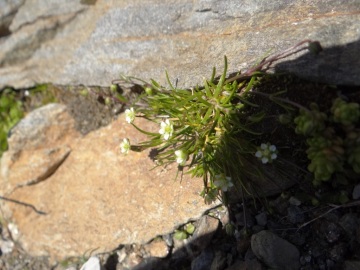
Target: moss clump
(11, 111)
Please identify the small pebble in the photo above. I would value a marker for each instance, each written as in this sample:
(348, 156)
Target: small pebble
(261, 219)
(294, 201)
(6, 246)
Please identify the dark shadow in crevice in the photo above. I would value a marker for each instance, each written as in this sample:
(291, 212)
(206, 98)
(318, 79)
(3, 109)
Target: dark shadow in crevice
(201, 250)
(5, 23)
(337, 65)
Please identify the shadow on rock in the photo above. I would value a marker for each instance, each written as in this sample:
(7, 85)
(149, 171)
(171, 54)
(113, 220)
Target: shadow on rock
(333, 64)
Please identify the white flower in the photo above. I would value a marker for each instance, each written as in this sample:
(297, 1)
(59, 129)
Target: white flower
(166, 129)
(223, 182)
(266, 153)
(125, 146)
(181, 157)
(130, 115)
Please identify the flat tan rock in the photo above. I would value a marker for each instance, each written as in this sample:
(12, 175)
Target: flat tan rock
(32, 167)
(37, 147)
(98, 198)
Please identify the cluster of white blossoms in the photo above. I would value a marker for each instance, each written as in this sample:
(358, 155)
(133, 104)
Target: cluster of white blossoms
(223, 182)
(166, 130)
(266, 153)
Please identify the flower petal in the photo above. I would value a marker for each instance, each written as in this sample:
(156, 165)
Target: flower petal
(272, 148)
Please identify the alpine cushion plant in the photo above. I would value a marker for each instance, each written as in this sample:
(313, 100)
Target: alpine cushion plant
(205, 129)
(200, 129)
(197, 129)
(345, 113)
(333, 139)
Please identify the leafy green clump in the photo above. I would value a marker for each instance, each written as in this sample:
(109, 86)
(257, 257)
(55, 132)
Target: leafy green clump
(200, 128)
(327, 156)
(311, 121)
(15, 103)
(184, 232)
(345, 113)
(209, 129)
(333, 138)
(11, 112)
(206, 129)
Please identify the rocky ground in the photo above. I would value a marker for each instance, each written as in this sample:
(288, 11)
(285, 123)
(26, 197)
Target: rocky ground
(90, 42)
(284, 231)
(293, 236)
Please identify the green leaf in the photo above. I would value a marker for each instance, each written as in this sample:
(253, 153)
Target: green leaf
(168, 81)
(250, 84)
(207, 89)
(257, 117)
(222, 79)
(213, 74)
(121, 98)
(146, 132)
(189, 228)
(180, 235)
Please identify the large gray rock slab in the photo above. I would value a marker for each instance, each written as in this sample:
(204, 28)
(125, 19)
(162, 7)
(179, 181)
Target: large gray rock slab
(69, 42)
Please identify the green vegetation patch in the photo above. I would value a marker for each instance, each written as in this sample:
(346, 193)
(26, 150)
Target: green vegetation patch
(218, 130)
(11, 111)
(14, 104)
